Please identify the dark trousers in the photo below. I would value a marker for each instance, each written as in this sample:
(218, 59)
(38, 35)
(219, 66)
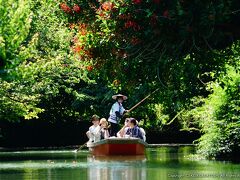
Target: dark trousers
(114, 128)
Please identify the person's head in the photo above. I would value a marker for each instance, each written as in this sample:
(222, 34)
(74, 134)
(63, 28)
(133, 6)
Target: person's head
(119, 98)
(95, 119)
(133, 122)
(103, 122)
(127, 122)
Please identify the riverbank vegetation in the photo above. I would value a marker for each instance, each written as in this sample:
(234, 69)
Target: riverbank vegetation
(61, 61)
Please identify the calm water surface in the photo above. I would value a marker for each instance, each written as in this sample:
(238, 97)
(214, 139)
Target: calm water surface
(158, 164)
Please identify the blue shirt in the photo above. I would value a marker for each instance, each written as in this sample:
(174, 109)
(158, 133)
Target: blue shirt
(135, 132)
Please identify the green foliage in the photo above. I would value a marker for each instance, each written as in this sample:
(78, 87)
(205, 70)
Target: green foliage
(224, 126)
(43, 69)
(16, 102)
(161, 116)
(15, 20)
(217, 116)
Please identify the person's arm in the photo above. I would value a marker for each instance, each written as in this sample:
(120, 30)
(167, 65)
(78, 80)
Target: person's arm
(139, 133)
(107, 135)
(122, 131)
(124, 111)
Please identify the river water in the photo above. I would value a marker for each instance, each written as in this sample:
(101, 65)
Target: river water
(158, 164)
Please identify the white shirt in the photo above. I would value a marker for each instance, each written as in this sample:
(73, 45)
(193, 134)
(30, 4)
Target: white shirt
(115, 107)
(143, 133)
(95, 132)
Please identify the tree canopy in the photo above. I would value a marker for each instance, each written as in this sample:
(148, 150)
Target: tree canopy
(144, 44)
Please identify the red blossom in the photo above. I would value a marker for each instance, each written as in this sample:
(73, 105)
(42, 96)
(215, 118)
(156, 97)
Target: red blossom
(137, 1)
(107, 6)
(122, 54)
(65, 8)
(101, 14)
(153, 20)
(89, 53)
(128, 24)
(135, 41)
(157, 1)
(166, 13)
(132, 24)
(71, 25)
(82, 26)
(75, 39)
(76, 8)
(78, 49)
(82, 29)
(89, 68)
(124, 16)
(83, 32)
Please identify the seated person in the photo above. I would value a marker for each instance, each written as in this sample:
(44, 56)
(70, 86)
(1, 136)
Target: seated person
(104, 129)
(124, 129)
(134, 130)
(93, 133)
(142, 131)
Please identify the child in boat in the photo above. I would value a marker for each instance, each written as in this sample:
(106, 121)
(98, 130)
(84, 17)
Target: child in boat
(116, 113)
(134, 130)
(104, 128)
(93, 133)
(124, 129)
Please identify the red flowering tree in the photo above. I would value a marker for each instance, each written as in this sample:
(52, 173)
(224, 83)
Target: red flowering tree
(144, 44)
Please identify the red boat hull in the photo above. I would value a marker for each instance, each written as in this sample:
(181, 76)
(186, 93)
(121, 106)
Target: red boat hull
(119, 146)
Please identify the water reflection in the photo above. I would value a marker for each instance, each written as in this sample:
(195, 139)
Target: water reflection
(159, 163)
(178, 163)
(117, 168)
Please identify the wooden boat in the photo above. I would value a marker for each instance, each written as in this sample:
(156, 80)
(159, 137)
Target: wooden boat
(118, 146)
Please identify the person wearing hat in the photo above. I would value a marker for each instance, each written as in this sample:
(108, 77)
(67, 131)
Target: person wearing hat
(116, 113)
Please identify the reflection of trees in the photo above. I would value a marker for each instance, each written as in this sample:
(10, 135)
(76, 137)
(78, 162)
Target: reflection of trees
(117, 167)
(170, 153)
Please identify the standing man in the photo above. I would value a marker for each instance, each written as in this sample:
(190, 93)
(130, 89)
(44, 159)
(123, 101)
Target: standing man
(116, 113)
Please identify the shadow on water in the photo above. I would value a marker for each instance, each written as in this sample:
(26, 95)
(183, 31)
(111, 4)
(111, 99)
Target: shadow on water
(158, 163)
